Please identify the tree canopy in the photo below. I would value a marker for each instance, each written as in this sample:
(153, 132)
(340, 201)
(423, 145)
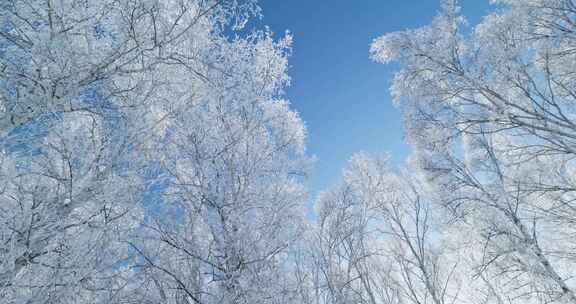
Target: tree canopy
(148, 154)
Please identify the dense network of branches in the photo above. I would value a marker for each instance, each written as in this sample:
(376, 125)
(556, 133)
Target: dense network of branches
(147, 156)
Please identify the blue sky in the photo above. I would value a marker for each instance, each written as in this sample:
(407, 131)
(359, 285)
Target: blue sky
(343, 96)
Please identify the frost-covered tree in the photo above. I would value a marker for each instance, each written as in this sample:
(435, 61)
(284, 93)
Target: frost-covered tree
(147, 155)
(491, 118)
(230, 162)
(378, 241)
(66, 198)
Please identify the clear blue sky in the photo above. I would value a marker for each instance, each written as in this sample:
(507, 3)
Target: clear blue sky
(342, 96)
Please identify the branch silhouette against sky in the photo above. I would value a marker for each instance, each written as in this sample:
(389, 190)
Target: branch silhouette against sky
(287, 152)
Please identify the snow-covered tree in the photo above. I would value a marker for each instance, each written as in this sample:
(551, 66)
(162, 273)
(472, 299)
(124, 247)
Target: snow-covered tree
(378, 241)
(66, 197)
(231, 162)
(491, 118)
(147, 155)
